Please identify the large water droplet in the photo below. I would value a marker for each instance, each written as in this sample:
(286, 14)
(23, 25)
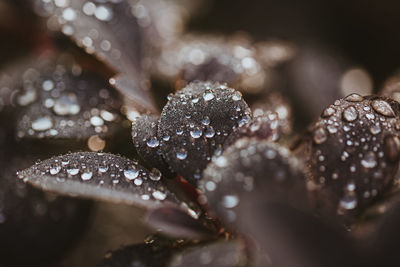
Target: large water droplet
(354, 98)
(383, 108)
(329, 111)
(348, 202)
(350, 114)
(155, 174)
(96, 121)
(206, 121)
(196, 133)
(209, 132)
(208, 96)
(131, 173)
(103, 13)
(66, 105)
(55, 170)
(159, 195)
(73, 171)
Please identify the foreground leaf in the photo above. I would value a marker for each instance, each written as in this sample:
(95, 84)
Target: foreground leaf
(100, 176)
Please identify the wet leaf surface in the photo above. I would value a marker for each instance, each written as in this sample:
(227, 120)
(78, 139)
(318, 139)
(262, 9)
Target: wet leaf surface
(354, 154)
(145, 139)
(195, 123)
(100, 176)
(248, 172)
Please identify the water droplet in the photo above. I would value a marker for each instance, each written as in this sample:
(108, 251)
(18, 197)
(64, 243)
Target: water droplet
(131, 173)
(319, 135)
(159, 195)
(230, 201)
(155, 174)
(181, 154)
(209, 132)
(73, 171)
(166, 138)
(55, 170)
(350, 114)
(354, 98)
(221, 161)
(153, 142)
(375, 129)
(329, 111)
(86, 176)
(42, 124)
(348, 202)
(103, 168)
(206, 121)
(208, 96)
(196, 133)
(369, 160)
(236, 96)
(383, 108)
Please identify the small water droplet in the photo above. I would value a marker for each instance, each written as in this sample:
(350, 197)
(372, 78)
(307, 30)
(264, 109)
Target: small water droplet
(48, 85)
(348, 202)
(319, 135)
(73, 171)
(236, 96)
(208, 96)
(55, 170)
(103, 13)
(369, 160)
(375, 129)
(86, 176)
(329, 111)
(153, 142)
(159, 195)
(155, 174)
(209, 132)
(181, 154)
(206, 121)
(96, 121)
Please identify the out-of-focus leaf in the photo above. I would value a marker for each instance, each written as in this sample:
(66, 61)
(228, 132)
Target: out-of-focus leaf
(195, 123)
(222, 253)
(176, 223)
(100, 176)
(110, 31)
(145, 138)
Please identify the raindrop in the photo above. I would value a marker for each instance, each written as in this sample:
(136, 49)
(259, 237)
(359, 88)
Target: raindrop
(48, 85)
(131, 173)
(383, 108)
(369, 160)
(329, 111)
(375, 129)
(208, 96)
(86, 176)
(66, 105)
(153, 142)
(209, 132)
(182, 154)
(159, 195)
(155, 174)
(206, 121)
(73, 171)
(354, 98)
(319, 135)
(55, 170)
(96, 121)
(196, 133)
(236, 96)
(348, 202)
(350, 114)
(103, 13)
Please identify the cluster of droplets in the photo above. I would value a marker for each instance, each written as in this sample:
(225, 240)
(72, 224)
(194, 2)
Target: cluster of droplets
(102, 170)
(362, 134)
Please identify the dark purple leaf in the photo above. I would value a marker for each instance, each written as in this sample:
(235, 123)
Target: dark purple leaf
(110, 31)
(354, 153)
(202, 57)
(100, 176)
(196, 122)
(248, 172)
(221, 253)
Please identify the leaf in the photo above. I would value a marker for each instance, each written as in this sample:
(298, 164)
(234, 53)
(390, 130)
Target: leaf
(362, 133)
(144, 133)
(176, 223)
(110, 31)
(195, 123)
(221, 253)
(100, 176)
